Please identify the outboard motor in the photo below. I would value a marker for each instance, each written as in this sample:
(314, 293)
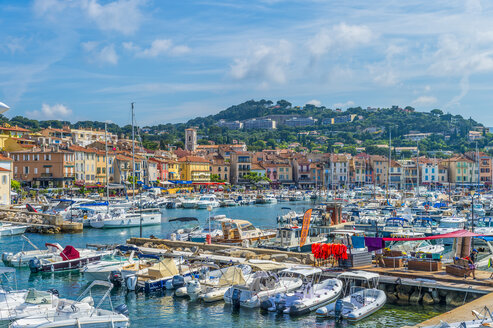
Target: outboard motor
(338, 310)
(178, 281)
(235, 299)
(267, 304)
(280, 303)
(131, 282)
(6, 256)
(122, 309)
(54, 292)
(34, 265)
(116, 278)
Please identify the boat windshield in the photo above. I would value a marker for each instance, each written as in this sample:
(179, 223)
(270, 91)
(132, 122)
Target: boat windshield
(450, 224)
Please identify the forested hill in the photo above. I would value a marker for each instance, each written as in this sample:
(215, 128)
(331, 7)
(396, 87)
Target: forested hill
(368, 128)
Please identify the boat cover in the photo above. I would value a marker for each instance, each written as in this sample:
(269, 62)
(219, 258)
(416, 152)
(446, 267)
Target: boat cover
(455, 234)
(70, 253)
(163, 269)
(232, 276)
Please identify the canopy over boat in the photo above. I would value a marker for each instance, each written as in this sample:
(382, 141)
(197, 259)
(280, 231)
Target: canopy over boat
(264, 265)
(455, 234)
(232, 276)
(359, 275)
(303, 270)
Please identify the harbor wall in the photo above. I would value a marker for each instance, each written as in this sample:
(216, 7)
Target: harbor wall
(39, 222)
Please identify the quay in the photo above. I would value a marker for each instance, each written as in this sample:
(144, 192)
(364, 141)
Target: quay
(402, 286)
(39, 222)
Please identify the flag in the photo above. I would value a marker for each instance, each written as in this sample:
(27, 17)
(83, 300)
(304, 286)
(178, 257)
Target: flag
(305, 227)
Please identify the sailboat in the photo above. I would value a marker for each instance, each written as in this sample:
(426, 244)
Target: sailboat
(122, 218)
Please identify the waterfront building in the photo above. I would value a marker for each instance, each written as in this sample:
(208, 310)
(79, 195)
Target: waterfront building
(195, 169)
(6, 166)
(241, 162)
(84, 165)
(84, 137)
(461, 171)
(219, 167)
(233, 125)
(380, 165)
(44, 167)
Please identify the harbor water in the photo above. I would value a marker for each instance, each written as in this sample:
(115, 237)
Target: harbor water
(164, 310)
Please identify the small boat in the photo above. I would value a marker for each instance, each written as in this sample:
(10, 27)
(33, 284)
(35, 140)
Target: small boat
(69, 259)
(313, 294)
(7, 229)
(241, 232)
(207, 201)
(101, 270)
(80, 313)
(361, 302)
(395, 225)
(189, 203)
(125, 220)
(425, 225)
(483, 226)
(448, 225)
(184, 227)
(212, 229)
(263, 285)
(22, 258)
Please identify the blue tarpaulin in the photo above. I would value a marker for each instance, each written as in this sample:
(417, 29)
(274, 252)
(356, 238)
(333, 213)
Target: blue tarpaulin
(180, 181)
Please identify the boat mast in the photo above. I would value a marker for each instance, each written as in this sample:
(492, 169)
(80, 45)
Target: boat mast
(133, 156)
(388, 169)
(106, 162)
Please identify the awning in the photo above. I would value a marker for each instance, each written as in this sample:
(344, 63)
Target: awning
(180, 181)
(455, 234)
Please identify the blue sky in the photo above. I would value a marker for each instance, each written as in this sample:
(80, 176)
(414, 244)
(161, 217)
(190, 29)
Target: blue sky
(88, 59)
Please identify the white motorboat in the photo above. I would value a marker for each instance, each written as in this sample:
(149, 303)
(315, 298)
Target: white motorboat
(34, 302)
(101, 270)
(313, 294)
(189, 203)
(7, 229)
(448, 225)
(484, 226)
(81, 313)
(22, 258)
(69, 258)
(125, 220)
(360, 302)
(262, 286)
(207, 201)
(211, 286)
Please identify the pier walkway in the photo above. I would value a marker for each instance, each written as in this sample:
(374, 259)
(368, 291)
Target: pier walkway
(461, 313)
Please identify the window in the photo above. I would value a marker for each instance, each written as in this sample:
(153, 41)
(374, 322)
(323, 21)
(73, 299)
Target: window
(4, 179)
(47, 170)
(35, 170)
(15, 169)
(219, 169)
(225, 169)
(26, 169)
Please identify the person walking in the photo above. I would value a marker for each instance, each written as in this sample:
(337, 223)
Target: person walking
(472, 262)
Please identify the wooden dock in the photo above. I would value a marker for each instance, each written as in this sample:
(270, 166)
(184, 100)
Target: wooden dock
(461, 313)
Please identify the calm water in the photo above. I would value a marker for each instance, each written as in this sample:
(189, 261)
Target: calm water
(165, 310)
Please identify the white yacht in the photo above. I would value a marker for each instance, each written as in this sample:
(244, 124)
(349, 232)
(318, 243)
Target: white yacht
(125, 220)
(189, 203)
(206, 201)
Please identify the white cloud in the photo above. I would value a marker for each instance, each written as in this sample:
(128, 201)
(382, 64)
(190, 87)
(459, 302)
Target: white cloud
(339, 36)
(424, 101)
(123, 16)
(48, 112)
(158, 47)
(314, 102)
(264, 63)
(100, 55)
(346, 104)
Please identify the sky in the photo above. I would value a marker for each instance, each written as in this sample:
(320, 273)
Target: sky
(89, 59)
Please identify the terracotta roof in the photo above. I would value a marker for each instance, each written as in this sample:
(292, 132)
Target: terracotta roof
(5, 158)
(14, 128)
(256, 166)
(81, 149)
(196, 159)
(4, 170)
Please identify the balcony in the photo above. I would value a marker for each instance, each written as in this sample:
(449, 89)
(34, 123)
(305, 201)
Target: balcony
(46, 175)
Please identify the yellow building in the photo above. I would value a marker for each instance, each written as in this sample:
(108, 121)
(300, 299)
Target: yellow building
(101, 167)
(85, 165)
(173, 170)
(195, 169)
